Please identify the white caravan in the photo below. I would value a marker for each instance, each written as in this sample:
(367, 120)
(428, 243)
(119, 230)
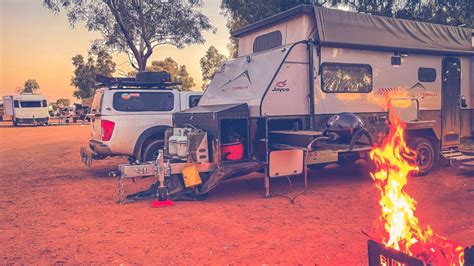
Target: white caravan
(313, 86)
(26, 109)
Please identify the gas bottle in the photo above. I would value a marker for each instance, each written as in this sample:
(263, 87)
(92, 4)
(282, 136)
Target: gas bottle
(182, 146)
(173, 145)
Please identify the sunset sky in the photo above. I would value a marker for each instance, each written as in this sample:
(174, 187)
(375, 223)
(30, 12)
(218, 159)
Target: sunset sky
(39, 45)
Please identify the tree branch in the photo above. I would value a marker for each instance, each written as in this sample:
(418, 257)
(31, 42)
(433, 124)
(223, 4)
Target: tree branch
(114, 10)
(143, 33)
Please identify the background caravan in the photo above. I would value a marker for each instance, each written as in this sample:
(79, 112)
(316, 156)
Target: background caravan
(26, 109)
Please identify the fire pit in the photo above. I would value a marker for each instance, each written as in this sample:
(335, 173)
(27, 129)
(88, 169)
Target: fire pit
(381, 255)
(405, 240)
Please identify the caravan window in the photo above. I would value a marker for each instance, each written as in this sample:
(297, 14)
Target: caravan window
(426, 74)
(194, 100)
(346, 78)
(30, 104)
(267, 41)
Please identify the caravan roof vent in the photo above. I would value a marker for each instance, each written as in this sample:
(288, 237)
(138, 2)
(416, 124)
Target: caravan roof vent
(148, 76)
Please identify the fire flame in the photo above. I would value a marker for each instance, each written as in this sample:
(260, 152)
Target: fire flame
(394, 162)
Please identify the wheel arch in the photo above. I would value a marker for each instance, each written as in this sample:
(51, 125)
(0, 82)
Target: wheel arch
(427, 133)
(150, 133)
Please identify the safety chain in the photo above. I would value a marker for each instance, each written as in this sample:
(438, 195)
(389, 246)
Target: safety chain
(120, 190)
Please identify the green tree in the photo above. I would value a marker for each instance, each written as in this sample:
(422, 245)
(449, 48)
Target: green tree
(210, 63)
(30, 86)
(63, 102)
(178, 73)
(136, 27)
(450, 12)
(447, 12)
(86, 70)
(53, 105)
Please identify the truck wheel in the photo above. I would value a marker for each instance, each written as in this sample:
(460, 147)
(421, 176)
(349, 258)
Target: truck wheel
(15, 124)
(150, 150)
(425, 155)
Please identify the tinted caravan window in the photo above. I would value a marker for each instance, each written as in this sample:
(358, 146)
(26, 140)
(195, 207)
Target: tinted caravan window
(143, 101)
(30, 104)
(346, 78)
(267, 41)
(426, 74)
(194, 100)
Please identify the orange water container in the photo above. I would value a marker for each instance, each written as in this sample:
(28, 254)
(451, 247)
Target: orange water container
(232, 151)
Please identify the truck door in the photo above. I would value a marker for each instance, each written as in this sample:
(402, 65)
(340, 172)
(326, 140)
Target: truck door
(450, 109)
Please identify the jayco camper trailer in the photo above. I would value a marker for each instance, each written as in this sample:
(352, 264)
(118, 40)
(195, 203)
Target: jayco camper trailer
(313, 86)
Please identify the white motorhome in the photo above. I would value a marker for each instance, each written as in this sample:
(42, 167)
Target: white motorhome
(27, 109)
(322, 82)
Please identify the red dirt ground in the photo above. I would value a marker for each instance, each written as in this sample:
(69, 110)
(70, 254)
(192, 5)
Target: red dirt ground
(55, 210)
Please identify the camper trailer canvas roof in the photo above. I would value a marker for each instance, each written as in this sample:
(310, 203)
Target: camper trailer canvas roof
(248, 78)
(342, 28)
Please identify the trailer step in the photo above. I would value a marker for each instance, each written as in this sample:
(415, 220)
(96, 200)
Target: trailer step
(454, 154)
(467, 166)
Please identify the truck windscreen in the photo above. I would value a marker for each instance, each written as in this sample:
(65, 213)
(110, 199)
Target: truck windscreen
(30, 104)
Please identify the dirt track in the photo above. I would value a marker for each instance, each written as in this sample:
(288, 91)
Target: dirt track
(54, 209)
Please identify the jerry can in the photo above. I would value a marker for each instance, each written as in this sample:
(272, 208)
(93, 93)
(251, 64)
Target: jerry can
(191, 175)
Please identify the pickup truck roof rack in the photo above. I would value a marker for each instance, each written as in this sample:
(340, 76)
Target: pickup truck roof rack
(133, 83)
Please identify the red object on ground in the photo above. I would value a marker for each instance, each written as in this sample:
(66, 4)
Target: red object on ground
(159, 204)
(233, 151)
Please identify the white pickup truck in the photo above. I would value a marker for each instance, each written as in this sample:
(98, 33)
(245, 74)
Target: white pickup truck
(129, 116)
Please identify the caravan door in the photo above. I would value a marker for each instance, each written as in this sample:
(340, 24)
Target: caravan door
(450, 109)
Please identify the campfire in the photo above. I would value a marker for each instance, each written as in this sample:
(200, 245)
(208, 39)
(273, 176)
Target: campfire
(394, 163)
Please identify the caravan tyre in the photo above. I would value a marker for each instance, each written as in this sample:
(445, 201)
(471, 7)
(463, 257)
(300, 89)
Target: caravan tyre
(425, 155)
(318, 166)
(150, 150)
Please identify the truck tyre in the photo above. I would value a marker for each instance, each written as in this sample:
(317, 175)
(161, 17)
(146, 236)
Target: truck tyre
(150, 150)
(15, 124)
(425, 155)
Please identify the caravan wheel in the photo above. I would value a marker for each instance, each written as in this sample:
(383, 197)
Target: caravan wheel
(425, 155)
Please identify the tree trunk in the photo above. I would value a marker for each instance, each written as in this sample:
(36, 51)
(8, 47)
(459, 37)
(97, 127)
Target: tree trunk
(142, 63)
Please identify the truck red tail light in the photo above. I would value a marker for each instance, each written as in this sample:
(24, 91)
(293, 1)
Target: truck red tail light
(107, 129)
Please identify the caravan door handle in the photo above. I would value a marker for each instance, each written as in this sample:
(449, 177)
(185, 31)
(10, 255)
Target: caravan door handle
(462, 102)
